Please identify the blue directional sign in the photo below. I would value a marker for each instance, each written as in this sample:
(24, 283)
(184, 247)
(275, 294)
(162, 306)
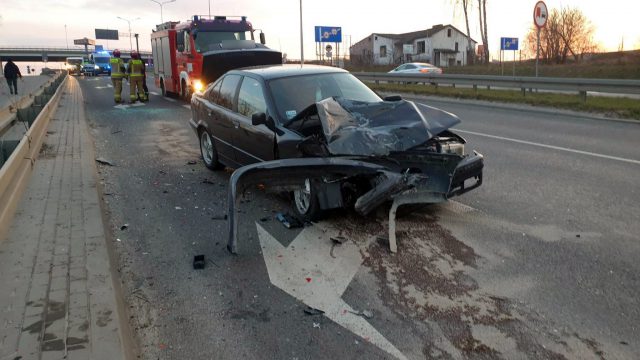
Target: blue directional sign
(508, 43)
(328, 34)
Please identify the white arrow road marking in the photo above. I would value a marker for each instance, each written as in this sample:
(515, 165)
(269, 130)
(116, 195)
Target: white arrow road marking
(138, 104)
(109, 85)
(102, 87)
(153, 93)
(308, 257)
(121, 106)
(187, 106)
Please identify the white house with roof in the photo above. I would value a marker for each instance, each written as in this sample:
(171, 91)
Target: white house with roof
(442, 45)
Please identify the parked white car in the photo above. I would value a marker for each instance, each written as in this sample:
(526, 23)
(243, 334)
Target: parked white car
(416, 68)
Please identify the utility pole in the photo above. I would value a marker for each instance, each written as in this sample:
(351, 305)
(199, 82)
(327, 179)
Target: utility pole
(137, 47)
(66, 36)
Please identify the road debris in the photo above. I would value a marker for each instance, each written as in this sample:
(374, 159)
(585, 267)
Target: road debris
(104, 161)
(367, 314)
(207, 181)
(178, 208)
(219, 217)
(198, 262)
(191, 162)
(316, 325)
(339, 240)
(265, 219)
(290, 222)
(124, 227)
(313, 311)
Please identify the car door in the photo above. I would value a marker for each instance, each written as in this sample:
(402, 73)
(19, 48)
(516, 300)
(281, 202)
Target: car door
(218, 115)
(252, 143)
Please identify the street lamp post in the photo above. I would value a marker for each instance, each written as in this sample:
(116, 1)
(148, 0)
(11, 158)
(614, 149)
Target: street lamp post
(301, 41)
(129, 22)
(162, 3)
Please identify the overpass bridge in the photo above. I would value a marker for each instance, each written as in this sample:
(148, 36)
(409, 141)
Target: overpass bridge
(55, 53)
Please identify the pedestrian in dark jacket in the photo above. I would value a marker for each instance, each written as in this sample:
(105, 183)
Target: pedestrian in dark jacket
(11, 73)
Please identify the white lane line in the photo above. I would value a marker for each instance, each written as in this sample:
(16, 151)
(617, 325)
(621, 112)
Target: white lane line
(170, 99)
(153, 93)
(187, 106)
(551, 147)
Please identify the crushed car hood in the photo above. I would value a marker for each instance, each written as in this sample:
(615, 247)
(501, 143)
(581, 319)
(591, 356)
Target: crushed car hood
(377, 129)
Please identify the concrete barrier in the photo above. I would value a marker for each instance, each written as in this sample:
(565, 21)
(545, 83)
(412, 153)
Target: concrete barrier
(15, 172)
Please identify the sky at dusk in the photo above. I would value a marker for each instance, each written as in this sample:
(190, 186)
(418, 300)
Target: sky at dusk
(42, 23)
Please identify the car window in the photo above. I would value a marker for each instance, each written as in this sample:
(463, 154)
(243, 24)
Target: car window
(228, 91)
(251, 98)
(213, 93)
(400, 68)
(294, 94)
(409, 66)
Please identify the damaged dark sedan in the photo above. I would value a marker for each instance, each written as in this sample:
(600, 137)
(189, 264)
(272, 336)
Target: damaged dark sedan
(325, 137)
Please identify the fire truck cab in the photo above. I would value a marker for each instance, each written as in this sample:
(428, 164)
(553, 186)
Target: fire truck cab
(178, 49)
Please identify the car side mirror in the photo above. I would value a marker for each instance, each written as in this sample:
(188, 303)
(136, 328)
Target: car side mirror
(262, 39)
(262, 119)
(393, 98)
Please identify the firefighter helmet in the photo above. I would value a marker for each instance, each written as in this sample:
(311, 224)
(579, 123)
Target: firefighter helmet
(116, 53)
(135, 55)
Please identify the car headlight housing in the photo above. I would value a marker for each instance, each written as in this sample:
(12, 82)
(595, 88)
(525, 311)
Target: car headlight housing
(96, 67)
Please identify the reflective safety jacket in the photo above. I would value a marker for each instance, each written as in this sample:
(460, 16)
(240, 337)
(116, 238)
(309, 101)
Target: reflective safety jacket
(117, 68)
(136, 68)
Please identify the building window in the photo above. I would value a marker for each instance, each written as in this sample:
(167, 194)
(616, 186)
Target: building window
(456, 47)
(383, 51)
(448, 32)
(421, 47)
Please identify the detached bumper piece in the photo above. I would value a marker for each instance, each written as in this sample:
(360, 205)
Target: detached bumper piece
(403, 189)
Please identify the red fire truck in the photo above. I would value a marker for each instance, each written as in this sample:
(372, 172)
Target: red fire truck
(189, 55)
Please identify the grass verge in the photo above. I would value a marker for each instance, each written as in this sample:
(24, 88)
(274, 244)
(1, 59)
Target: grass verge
(624, 108)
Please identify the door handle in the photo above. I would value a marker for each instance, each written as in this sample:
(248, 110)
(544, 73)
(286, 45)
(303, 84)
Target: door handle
(209, 113)
(236, 124)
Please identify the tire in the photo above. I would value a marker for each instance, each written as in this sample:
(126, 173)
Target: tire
(305, 203)
(208, 151)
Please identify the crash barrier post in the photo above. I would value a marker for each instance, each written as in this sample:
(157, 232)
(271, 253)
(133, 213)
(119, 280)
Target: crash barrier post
(579, 86)
(20, 155)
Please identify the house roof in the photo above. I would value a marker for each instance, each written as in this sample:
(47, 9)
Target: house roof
(410, 36)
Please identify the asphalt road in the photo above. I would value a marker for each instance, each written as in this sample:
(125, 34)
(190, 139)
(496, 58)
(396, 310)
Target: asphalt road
(540, 262)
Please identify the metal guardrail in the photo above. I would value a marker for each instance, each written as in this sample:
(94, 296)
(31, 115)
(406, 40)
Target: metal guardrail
(581, 86)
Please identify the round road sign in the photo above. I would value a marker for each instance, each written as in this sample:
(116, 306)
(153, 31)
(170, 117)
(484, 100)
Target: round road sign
(540, 14)
(328, 47)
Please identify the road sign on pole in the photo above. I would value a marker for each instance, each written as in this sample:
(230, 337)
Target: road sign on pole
(508, 43)
(540, 15)
(331, 34)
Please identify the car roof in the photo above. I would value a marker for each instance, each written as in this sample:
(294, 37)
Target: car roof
(268, 72)
(421, 64)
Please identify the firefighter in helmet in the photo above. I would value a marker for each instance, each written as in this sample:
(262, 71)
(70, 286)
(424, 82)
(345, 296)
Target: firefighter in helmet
(136, 72)
(117, 74)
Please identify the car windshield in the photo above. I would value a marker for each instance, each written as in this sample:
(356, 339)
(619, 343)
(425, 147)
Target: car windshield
(294, 94)
(101, 60)
(208, 40)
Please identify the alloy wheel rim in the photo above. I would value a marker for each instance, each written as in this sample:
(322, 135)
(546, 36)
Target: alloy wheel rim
(303, 197)
(206, 147)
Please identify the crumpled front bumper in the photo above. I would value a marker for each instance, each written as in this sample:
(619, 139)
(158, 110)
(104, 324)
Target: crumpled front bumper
(290, 174)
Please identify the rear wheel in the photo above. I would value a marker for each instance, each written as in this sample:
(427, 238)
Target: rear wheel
(305, 202)
(208, 151)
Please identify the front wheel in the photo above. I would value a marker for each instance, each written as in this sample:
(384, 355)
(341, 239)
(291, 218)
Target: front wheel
(208, 151)
(305, 202)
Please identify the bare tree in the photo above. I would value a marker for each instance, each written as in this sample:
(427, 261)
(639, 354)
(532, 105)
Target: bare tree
(464, 4)
(482, 12)
(567, 33)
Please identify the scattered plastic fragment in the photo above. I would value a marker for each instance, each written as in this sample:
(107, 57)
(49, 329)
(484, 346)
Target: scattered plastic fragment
(198, 262)
(219, 217)
(118, 240)
(191, 162)
(364, 313)
(316, 325)
(178, 208)
(313, 311)
(290, 222)
(104, 161)
(339, 240)
(308, 279)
